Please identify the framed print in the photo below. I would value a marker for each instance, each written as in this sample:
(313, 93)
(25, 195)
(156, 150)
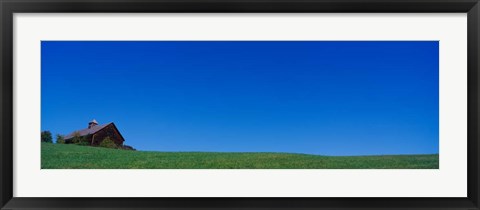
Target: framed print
(239, 104)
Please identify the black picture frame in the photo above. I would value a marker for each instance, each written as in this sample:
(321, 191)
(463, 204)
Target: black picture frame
(9, 7)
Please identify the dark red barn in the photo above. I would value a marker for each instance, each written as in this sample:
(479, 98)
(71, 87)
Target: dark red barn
(95, 134)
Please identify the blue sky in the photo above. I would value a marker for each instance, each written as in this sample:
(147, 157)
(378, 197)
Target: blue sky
(316, 97)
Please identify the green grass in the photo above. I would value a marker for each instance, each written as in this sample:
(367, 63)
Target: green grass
(61, 156)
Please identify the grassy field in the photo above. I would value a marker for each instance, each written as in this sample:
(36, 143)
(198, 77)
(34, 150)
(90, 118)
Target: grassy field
(61, 156)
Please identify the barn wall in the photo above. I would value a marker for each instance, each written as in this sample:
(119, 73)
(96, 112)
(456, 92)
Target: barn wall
(108, 131)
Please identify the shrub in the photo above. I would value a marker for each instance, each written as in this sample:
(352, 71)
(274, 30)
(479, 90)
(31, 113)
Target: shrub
(60, 139)
(46, 136)
(126, 147)
(83, 143)
(108, 143)
(79, 140)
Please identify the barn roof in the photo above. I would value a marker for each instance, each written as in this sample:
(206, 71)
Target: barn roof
(87, 131)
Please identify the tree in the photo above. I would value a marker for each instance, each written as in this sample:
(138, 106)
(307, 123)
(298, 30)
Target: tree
(60, 139)
(47, 136)
(108, 143)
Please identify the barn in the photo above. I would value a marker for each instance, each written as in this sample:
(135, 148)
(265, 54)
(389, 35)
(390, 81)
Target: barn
(95, 133)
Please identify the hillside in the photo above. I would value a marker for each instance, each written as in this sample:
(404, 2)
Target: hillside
(61, 156)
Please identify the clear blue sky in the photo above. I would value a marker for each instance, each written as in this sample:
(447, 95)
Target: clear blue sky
(316, 97)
